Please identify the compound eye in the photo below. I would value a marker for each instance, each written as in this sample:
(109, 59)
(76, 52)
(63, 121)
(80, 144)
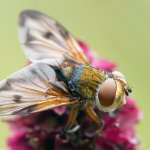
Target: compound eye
(107, 92)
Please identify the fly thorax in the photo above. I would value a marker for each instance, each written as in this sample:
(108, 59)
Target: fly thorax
(85, 80)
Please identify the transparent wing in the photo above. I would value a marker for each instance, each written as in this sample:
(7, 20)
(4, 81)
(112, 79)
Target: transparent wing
(32, 89)
(45, 40)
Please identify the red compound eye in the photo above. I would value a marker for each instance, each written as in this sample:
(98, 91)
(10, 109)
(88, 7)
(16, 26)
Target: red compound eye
(107, 92)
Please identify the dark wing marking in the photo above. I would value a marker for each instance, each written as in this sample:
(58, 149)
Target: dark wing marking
(33, 88)
(45, 40)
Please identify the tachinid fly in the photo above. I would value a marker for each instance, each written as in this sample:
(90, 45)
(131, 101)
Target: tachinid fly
(60, 74)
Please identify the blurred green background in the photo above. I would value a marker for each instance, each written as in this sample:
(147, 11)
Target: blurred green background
(118, 30)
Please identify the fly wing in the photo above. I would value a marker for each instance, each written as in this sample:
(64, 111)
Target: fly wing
(32, 89)
(45, 40)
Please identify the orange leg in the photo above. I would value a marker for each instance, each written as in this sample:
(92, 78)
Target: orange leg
(96, 119)
(72, 118)
(93, 116)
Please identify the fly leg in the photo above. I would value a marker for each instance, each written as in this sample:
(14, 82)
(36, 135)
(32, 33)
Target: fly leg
(71, 120)
(93, 115)
(96, 119)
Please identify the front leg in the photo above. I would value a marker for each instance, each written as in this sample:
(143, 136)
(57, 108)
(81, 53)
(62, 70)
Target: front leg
(96, 119)
(94, 116)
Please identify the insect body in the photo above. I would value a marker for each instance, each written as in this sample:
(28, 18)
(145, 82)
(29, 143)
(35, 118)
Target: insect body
(59, 75)
(83, 80)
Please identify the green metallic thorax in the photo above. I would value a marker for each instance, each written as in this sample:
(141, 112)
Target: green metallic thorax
(84, 80)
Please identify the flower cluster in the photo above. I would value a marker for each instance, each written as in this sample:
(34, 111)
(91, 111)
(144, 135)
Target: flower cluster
(44, 130)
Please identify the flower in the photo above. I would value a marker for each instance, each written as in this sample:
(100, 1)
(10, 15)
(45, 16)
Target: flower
(44, 130)
(95, 61)
(119, 130)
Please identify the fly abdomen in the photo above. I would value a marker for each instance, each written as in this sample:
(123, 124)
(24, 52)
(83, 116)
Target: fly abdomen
(64, 74)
